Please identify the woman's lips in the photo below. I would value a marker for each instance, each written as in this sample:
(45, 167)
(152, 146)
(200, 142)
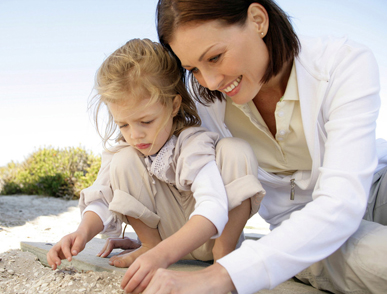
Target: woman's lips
(233, 88)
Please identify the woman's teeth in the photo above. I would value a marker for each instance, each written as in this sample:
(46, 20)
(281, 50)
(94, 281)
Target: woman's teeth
(233, 85)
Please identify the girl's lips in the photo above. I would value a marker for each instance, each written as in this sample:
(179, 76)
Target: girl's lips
(142, 146)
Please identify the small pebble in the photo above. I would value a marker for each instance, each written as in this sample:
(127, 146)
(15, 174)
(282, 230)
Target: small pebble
(11, 272)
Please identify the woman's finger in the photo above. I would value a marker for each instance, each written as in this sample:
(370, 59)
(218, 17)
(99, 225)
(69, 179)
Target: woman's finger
(129, 274)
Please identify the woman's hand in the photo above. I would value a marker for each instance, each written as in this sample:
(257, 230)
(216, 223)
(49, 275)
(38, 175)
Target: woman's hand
(214, 279)
(140, 273)
(122, 243)
(69, 246)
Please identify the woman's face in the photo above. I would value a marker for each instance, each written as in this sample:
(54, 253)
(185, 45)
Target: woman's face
(229, 58)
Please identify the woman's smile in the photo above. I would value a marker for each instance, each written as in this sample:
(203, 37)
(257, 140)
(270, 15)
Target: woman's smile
(232, 88)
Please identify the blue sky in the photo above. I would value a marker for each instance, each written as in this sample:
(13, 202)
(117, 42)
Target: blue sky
(50, 51)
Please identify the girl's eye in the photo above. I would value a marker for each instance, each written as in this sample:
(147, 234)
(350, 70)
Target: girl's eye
(147, 122)
(123, 126)
(215, 58)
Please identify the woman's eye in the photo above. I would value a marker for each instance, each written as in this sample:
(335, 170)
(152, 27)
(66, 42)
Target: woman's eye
(215, 58)
(147, 122)
(194, 70)
(123, 126)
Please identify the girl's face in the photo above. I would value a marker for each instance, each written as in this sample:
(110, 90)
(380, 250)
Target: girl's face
(231, 59)
(140, 124)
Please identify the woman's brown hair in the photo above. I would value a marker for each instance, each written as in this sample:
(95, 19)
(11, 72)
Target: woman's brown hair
(281, 40)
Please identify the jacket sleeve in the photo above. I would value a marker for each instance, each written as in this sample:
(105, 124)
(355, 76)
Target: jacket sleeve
(350, 109)
(210, 196)
(97, 197)
(196, 170)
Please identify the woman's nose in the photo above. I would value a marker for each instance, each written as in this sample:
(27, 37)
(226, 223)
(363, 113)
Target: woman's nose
(212, 80)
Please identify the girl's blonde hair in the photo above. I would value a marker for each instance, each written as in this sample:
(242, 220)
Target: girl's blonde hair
(142, 69)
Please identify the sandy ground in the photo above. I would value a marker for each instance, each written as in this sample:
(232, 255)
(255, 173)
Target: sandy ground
(48, 219)
(42, 219)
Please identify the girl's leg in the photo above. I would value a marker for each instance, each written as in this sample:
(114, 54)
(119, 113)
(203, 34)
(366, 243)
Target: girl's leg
(153, 208)
(149, 237)
(238, 166)
(134, 201)
(237, 219)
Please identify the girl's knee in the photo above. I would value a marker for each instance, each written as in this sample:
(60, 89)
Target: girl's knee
(124, 159)
(228, 146)
(235, 151)
(127, 170)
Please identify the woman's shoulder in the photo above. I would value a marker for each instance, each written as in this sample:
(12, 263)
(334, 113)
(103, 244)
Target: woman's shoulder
(321, 55)
(327, 45)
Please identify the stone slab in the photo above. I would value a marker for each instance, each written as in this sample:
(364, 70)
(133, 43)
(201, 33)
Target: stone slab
(87, 260)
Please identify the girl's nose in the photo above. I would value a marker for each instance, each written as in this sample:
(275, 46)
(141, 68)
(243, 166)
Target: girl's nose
(136, 133)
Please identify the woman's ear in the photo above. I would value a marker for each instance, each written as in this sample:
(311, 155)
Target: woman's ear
(176, 105)
(258, 16)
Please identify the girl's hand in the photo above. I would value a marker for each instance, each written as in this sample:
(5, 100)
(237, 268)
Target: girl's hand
(122, 243)
(69, 246)
(140, 273)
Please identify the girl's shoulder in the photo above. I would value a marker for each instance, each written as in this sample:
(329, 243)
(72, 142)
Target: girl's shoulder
(193, 135)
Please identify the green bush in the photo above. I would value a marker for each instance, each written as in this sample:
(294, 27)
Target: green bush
(51, 172)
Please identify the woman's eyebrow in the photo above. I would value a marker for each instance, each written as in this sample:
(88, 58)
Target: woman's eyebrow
(201, 56)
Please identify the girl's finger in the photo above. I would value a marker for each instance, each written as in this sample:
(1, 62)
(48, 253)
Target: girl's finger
(66, 245)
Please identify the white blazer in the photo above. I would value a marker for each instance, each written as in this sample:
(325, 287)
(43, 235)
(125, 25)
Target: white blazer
(338, 84)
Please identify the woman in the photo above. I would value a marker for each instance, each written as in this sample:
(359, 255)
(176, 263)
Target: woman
(308, 108)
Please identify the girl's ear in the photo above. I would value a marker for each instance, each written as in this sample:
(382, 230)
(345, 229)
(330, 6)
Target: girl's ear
(257, 15)
(176, 105)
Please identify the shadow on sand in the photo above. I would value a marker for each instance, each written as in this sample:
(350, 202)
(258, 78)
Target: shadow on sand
(16, 210)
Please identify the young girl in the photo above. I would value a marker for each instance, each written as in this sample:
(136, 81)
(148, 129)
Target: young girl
(168, 176)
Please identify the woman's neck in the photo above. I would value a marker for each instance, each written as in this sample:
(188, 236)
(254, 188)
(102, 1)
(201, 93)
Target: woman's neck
(276, 86)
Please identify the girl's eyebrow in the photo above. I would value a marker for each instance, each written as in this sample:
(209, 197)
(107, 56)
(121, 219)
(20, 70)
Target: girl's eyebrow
(137, 119)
